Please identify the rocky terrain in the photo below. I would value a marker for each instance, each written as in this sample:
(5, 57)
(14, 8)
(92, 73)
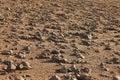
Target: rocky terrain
(59, 39)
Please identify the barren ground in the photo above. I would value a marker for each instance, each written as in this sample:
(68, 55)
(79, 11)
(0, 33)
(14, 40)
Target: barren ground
(53, 35)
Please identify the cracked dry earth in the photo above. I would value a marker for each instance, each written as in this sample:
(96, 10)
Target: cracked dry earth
(59, 39)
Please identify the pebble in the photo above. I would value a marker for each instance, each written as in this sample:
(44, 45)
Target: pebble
(103, 66)
(21, 55)
(54, 52)
(77, 54)
(108, 48)
(45, 54)
(68, 77)
(24, 66)
(86, 70)
(10, 67)
(59, 58)
(26, 48)
(116, 77)
(115, 60)
(104, 75)
(83, 77)
(19, 78)
(63, 70)
(86, 35)
(55, 77)
(74, 68)
(86, 42)
(7, 52)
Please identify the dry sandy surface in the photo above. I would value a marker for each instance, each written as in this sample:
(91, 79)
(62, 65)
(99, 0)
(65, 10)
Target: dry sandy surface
(59, 39)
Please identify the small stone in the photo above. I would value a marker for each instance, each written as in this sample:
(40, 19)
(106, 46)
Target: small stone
(7, 52)
(86, 42)
(73, 68)
(116, 77)
(83, 77)
(10, 67)
(19, 78)
(2, 72)
(115, 60)
(27, 75)
(45, 54)
(86, 70)
(21, 55)
(63, 70)
(26, 48)
(68, 77)
(59, 58)
(84, 35)
(108, 48)
(103, 66)
(80, 56)
(54, 52)
(104, 75)
(55, 77)
(24, 66)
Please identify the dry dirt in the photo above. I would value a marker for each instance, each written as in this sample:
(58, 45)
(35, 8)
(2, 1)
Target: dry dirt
(65, 38)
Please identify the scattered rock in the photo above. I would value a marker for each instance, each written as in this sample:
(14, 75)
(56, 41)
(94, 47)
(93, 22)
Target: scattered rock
(7, 52)
(24, 66)
(63, 70)
(45, 54)
(85, 70)
(54, 52)
(103, 66)
(59, 58)
(86, 35)
(26, 48)
(83, 77)
(55, 77)
(116, 77)
(10, 67)
(104, 75)
(68, 77)
(19, 78)
(115, 60)
(86, 42)
(77, 54)
(21, 55)
(108, 48)
(73, 68)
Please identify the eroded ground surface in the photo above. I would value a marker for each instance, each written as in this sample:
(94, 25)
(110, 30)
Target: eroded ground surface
(59, 40)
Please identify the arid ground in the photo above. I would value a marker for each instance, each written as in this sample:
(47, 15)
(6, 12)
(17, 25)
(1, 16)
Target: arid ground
(59, 39)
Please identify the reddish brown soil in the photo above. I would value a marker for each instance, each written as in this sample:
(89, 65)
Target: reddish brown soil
(57, 25)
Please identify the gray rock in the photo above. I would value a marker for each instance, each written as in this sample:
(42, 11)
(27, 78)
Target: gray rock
(74, 68)
(24, 66)
(10, 67)
(21, 55)
(54, 52)
(55, 77)
(86, 42)
(45, 54)
(85, 70)
(63, 70)
(108, 48)
(19, 78)
(69, 77)
(115, 60)
(83, 77)
(85, 35)
(26, 48)
(116, 77)
(59, 58)
(7, 52)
